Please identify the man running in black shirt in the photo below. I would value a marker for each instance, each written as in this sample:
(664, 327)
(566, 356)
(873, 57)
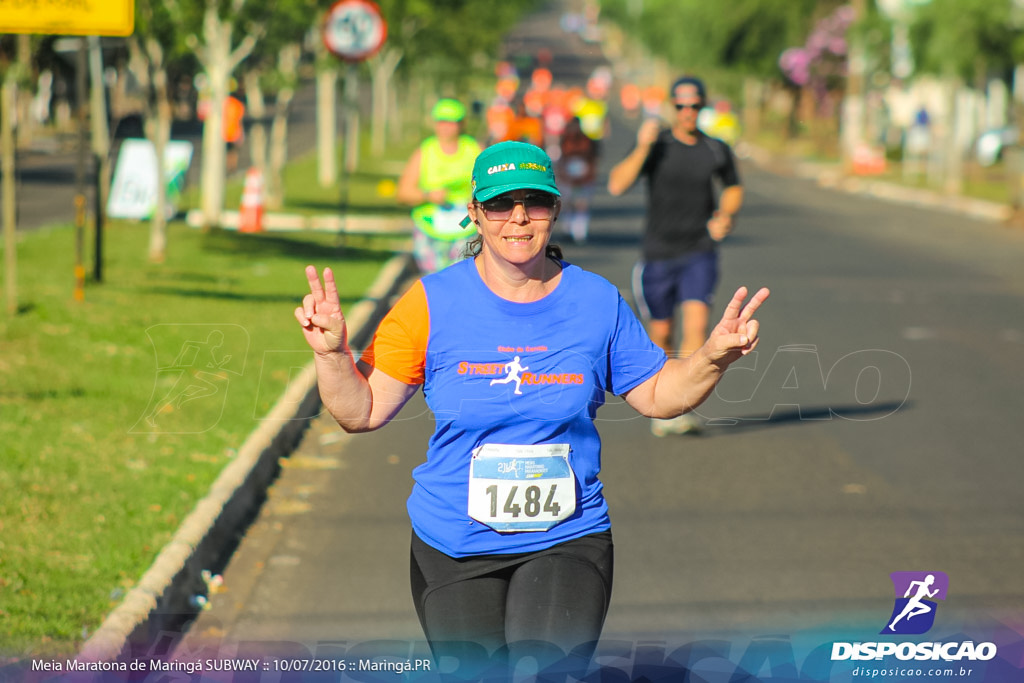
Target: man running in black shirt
(685, 222)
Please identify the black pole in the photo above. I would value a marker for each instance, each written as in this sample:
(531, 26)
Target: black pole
(80, 86)
(347, 101)
(100, 149)
(98, 208)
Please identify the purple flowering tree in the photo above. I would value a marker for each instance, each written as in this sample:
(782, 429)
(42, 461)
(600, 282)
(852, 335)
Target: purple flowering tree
(820, 65)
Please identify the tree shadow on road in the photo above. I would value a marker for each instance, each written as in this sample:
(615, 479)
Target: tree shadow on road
(721, 426)
(223, 295)
(300, 247)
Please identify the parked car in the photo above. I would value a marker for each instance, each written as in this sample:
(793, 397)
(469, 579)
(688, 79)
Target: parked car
(988, 148)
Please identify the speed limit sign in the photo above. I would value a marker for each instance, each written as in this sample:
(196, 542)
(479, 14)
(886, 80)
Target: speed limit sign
(354, 29)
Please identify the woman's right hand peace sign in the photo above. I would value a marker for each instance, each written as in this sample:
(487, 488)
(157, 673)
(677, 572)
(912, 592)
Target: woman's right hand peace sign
(320, 315)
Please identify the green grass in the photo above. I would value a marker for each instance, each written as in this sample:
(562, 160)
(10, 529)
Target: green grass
(363, 192)
(98, 466)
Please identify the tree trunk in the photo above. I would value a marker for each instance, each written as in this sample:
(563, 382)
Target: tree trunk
(957, 128)
(411, 104)
(396, 124)
(257, 106)
(217, 35)
(753, 100)
(274, 181)
(287, 65)
(7, 95)
(161, 135)
(23, 96)
(382, 69)
(326, 126)
(158, 132)
(351, 119)
(852, 133)
(118, 94)
(795, 95)
(219, 61)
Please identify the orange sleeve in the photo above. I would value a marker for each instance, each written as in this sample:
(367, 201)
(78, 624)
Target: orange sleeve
(399, 346)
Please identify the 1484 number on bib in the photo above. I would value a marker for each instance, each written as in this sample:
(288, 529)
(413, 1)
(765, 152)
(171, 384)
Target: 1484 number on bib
(521, 488)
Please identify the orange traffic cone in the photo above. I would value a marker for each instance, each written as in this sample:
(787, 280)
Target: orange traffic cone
(250, 215)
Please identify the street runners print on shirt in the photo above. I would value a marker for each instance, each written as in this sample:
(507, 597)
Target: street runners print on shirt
(516, 372)
(535, 382)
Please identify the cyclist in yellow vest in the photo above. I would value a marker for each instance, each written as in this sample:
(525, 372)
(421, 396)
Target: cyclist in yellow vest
(436, 181)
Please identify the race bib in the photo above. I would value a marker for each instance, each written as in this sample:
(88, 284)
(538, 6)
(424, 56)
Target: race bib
(446, 221)
(521, 488)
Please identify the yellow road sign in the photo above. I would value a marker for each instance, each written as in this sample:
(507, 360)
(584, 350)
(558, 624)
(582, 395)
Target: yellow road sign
(63, 17)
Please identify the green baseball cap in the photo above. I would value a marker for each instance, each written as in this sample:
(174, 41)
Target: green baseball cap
(448, 110)
(512, 165)
(509, 166)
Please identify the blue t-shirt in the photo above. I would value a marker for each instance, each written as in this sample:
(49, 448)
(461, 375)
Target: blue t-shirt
(500, 372)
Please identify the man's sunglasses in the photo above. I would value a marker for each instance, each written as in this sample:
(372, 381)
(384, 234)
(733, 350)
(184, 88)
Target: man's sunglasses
(538, 206)
(695, 107)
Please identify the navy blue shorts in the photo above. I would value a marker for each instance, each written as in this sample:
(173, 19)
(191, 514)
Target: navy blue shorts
(659, 286)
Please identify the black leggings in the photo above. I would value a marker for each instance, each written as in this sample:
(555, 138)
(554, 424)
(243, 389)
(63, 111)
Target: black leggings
(493, 610)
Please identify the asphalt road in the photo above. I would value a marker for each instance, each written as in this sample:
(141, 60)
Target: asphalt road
(876, 430)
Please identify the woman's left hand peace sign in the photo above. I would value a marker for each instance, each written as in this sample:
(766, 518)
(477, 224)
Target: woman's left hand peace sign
(735, 335)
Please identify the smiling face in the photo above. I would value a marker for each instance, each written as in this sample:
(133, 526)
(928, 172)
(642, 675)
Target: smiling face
(516, 226)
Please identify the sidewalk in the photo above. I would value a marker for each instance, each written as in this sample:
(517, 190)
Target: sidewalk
(831, 176)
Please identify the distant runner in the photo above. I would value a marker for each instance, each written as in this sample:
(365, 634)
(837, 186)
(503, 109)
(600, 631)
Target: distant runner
(436, 182)
(684, 224)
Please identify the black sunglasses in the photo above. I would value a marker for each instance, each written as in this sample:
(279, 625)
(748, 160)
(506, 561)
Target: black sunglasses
(538, 206)
(695, 107)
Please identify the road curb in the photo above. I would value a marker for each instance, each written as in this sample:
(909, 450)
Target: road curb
(171, 591)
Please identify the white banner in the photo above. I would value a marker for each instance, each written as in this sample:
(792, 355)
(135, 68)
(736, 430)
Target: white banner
(133, 192)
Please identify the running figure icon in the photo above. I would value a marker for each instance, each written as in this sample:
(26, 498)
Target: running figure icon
(915, 606)
(513, 368)
(198, 363)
